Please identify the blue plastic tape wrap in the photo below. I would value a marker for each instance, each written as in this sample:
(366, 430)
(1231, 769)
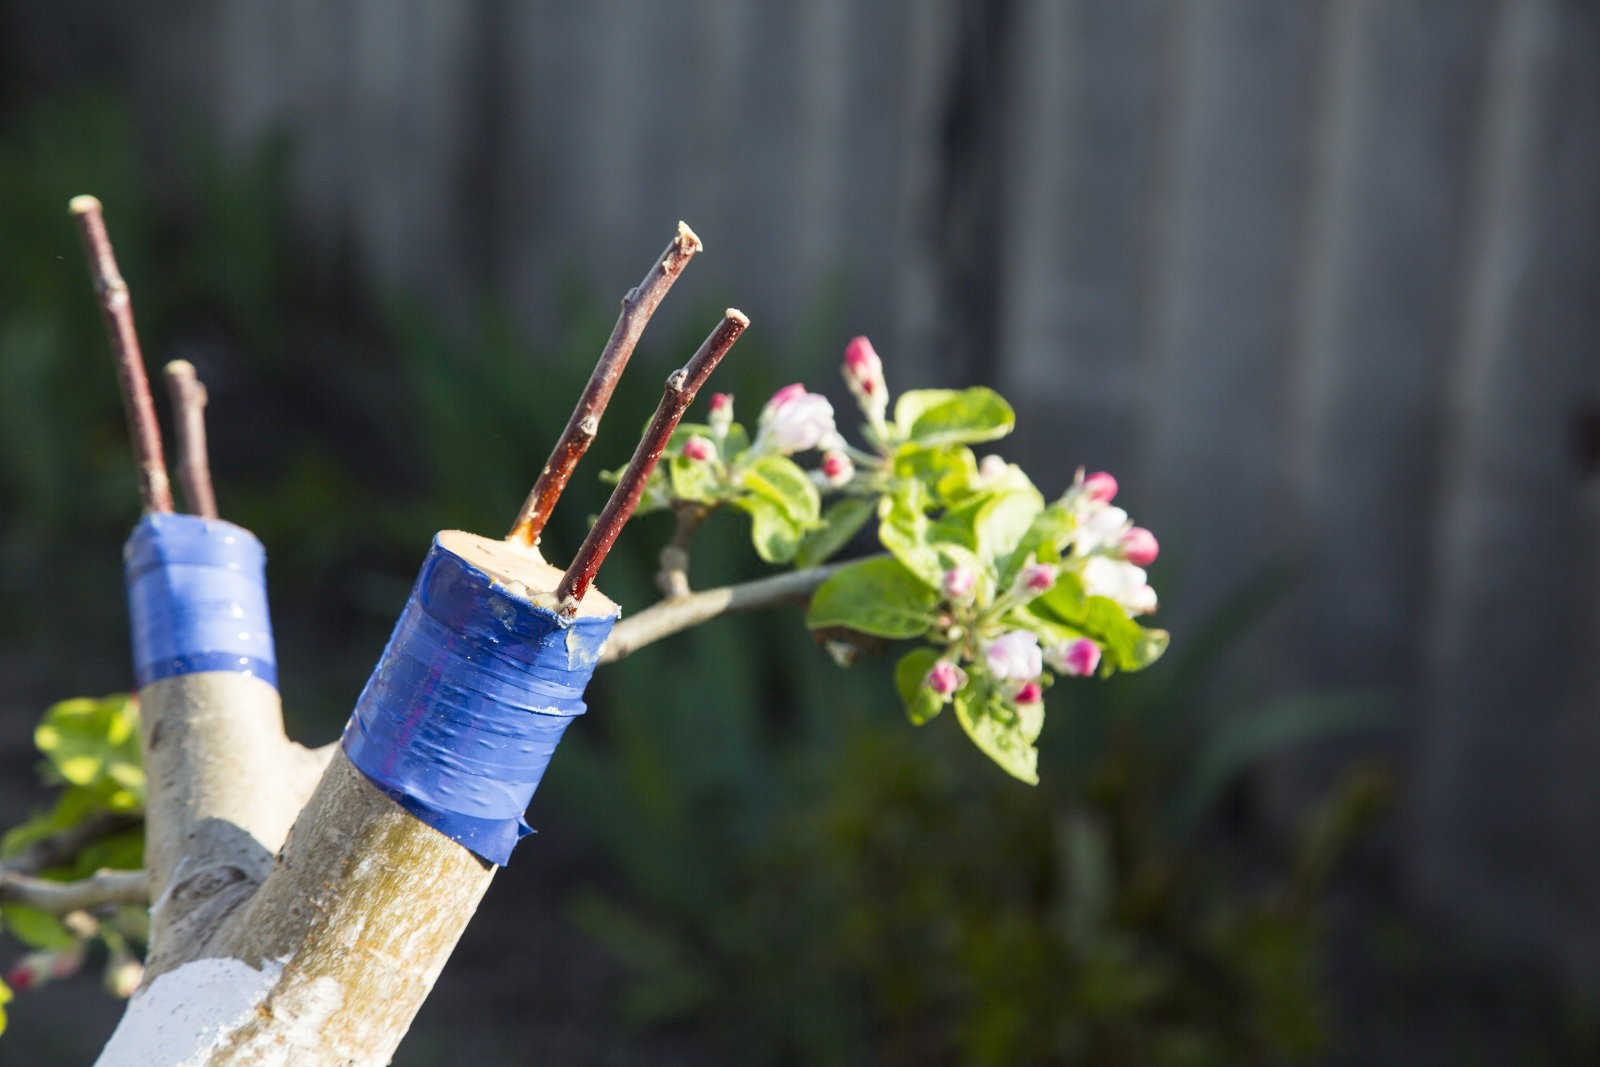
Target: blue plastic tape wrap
(468, 702)
(197, 599)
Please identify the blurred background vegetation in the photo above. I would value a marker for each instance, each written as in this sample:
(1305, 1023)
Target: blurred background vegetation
(745, 854)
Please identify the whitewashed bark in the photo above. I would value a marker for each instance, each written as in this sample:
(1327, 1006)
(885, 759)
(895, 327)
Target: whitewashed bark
(304, 944)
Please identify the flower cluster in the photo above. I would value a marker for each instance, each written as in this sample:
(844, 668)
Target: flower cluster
(1005, 590)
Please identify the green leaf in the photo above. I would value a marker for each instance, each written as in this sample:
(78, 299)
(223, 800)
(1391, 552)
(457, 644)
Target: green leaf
(84, 737)
(947, 416)
(776, 537)
(35, 928)
(947, 471)
(903, 530)
(876, 596)
(1048, 530)
(692, 479)
(839, 523)
(1002, 521)
(780, 480)
(5, 998)
(1001, 731)
(921, 702)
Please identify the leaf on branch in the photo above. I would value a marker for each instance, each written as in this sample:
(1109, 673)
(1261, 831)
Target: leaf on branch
(781, 481)
(922, 703)
(1003, 732)
(949, 416)
(876, 596)
(775, 535)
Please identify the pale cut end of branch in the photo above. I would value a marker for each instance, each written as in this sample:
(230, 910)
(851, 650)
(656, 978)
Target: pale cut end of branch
(682, 386)
(188, 397)
(637, 307)
(144, 431)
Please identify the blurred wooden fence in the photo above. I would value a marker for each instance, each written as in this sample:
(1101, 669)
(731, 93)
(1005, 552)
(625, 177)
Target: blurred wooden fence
(1314, 277)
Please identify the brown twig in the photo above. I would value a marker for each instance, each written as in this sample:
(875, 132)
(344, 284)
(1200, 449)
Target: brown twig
(637, 307)
(154, 489)
(682, 385)
(189, 415)
(667, 617)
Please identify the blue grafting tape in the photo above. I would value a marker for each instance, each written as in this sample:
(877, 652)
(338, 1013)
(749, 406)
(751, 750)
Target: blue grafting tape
(468, 702)
(197, 599)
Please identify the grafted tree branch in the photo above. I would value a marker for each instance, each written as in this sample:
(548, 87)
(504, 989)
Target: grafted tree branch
(637, 306)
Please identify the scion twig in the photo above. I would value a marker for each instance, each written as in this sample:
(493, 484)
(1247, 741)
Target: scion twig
(154, 489)
(189, 415)
(682, 386)
(637, 307)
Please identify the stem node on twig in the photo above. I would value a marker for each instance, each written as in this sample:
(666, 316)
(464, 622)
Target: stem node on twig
(637, 307)
(682, 386)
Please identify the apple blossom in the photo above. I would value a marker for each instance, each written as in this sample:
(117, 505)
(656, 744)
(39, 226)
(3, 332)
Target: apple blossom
(836, 468)
(699, 448)
(1139, 547)
(721, 413)
(1099, 526)
(795, 420)
(1029, 693)
(1014, 654)
(863, 373)
(1037, 578)
(1077, 658)
(1100, 486)
(1120, 581)
(959, 582)
(944, 678)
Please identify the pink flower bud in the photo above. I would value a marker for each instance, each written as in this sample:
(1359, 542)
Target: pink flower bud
(24, 973)
(721, 413)
(783, 396)
(1078, 658)
(959, 582)
(1139, 547)
(1038, 577)
(1029, 693)
(863, 373)
(836, 468)
(699, 449)
(944, 678)
(795, 420)
(1100, 486)
(1014, 654)
(991, 468)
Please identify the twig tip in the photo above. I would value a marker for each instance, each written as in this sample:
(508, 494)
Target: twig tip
(84, 204)
(735, 315)
(688, 240)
